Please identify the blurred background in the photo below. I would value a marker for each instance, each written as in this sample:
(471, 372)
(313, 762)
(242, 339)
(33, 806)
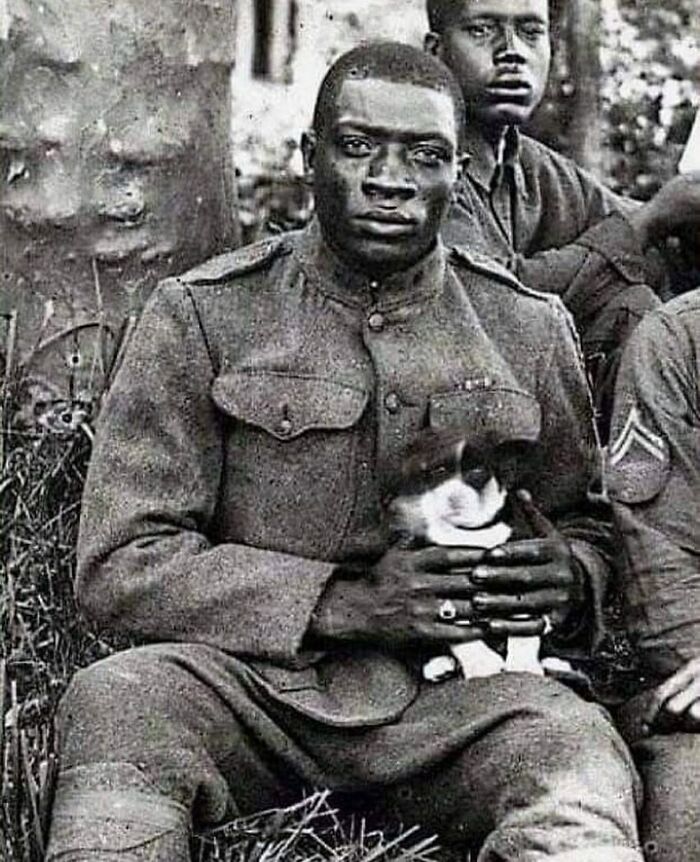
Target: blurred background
(623, 91)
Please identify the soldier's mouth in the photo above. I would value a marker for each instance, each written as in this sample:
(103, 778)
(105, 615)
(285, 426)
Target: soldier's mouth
(509, 88)
(387, 217)
(385, 223)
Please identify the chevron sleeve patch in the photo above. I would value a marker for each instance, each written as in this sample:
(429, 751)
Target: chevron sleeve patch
(638, 462)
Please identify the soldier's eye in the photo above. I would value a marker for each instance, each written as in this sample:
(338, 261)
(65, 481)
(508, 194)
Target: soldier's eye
(480, 30)
(431, 156)
(355, 146)
(531, 30)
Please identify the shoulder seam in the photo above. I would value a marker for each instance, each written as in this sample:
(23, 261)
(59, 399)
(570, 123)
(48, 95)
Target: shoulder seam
(200, 324)
(493, 268)
(247, 259)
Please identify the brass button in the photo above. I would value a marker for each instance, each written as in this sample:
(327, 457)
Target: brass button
(392, 402)
(376, 321)
(285, 427)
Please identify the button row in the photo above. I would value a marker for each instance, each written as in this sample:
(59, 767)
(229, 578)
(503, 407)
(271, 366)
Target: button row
(376, 321)
(285, 427)
(392, 402)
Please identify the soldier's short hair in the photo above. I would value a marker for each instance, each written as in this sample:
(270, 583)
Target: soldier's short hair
(388, 61)
(440, 12)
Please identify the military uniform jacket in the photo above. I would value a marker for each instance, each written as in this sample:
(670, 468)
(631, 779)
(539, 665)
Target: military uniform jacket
(552, 223)
(654, 483)
(261, 409)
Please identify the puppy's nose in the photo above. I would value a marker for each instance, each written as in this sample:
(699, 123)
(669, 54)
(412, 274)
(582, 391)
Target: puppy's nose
(477, 477)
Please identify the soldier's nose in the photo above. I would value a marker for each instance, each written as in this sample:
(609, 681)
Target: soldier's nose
(389, 187)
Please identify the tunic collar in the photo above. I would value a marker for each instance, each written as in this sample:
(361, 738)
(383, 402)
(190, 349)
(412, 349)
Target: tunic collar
(356, 288)
(482, 164)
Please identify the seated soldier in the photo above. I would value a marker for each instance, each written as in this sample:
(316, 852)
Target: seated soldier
(654, 481)
(233, 522)
(535, 210)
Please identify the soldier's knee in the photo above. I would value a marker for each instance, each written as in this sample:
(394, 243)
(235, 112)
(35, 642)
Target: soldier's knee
(566, 728)
(98, 683)
(101, 697)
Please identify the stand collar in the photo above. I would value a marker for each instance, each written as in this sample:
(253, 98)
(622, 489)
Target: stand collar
(482, 162)
(353, 287)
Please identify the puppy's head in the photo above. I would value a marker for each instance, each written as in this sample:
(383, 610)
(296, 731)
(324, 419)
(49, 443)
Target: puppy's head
(450, 494)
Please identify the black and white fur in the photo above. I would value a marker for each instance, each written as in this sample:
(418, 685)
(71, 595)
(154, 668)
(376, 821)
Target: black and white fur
(461, 502)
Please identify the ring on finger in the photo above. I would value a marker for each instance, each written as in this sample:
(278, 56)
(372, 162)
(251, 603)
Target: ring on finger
(447, 611)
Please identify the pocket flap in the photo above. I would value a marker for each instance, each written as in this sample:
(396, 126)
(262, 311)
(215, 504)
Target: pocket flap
(488, 417)
(287, 405)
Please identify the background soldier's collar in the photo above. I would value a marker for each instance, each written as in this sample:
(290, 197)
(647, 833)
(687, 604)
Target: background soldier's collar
(481, 163)
(357, 288)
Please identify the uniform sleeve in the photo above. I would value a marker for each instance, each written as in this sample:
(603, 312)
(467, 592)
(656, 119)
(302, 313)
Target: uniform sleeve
(605, 280)
(602, 242)
(147, 564)
(571, 478)
(654, 484)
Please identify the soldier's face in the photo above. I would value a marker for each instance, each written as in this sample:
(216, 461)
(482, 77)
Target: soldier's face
(384, 169)
(499, 51)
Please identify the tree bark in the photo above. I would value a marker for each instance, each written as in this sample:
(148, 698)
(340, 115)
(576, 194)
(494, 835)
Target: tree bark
(115, 170)
(583, 37)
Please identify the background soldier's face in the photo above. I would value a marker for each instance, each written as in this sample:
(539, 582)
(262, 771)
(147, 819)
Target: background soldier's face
(384, 169)
(499, 51)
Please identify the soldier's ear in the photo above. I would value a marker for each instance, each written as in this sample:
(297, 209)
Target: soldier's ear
(462, 162)
(308, 152)
(432, 44)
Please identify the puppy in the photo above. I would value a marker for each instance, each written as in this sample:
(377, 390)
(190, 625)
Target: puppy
(452, 495)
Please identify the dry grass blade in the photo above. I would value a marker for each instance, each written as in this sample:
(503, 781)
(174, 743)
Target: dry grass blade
(32, 792)
(311, 831)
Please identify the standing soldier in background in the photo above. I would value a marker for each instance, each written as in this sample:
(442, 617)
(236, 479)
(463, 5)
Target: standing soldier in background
(654, 483)
(536, 211)
(233, 524)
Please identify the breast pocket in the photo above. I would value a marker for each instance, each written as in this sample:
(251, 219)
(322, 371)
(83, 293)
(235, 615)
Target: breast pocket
(290, 446)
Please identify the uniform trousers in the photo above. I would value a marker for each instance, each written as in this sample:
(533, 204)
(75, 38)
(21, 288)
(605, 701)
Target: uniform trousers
(157, 737)
(669, 765)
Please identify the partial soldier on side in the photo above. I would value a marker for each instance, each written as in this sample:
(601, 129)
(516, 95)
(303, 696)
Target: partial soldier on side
(654, 483)
(552, 223)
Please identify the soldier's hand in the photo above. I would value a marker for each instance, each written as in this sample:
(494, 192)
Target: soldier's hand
(398, 601)
(535, 577)
(676, 703)
(675, 205)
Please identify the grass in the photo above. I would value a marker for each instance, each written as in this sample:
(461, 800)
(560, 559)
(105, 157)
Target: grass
(44, 639)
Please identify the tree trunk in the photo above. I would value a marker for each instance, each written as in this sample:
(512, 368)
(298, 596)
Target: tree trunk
(115, 170)
(583, 37)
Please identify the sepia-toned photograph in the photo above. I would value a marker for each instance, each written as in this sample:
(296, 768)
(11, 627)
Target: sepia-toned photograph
(349, 430)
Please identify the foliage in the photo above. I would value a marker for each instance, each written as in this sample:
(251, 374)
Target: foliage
(650, 57)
